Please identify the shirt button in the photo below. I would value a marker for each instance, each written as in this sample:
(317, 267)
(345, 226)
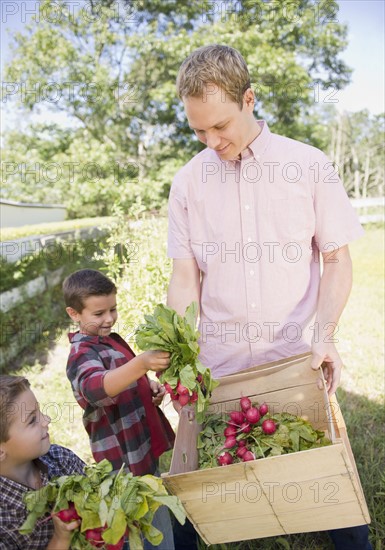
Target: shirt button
(249, 239)
(253, 305)
(251, 272)
(247, 207)
(258, 156)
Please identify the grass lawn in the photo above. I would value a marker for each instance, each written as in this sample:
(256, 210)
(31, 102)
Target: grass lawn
(361, 337)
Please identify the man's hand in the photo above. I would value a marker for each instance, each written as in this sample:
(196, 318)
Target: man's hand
(157, 391)
(327, 353)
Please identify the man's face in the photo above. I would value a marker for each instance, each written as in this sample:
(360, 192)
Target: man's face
(219, 123)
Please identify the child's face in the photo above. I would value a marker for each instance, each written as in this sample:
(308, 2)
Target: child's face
(28, 431)
(98, 315)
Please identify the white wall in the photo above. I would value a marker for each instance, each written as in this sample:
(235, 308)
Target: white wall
(14, 214)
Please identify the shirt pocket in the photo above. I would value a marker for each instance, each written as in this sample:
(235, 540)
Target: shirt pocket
(291, 219)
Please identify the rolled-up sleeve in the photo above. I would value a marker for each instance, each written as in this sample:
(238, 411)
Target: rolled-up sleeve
(337, 223)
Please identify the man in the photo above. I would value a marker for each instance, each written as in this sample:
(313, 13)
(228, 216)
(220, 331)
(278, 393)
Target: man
(249, 217)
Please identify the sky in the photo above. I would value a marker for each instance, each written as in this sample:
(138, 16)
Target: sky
(365, 54)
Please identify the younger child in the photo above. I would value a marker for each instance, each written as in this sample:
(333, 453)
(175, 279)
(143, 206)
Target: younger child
(110, 383)
(27, 462)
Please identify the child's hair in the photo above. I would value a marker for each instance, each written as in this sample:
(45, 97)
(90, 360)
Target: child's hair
(219, 65)
(84, 283)
(10, 388)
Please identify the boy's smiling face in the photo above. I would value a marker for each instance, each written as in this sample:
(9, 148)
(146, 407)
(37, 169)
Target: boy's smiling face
(98, 315)
(28, 431)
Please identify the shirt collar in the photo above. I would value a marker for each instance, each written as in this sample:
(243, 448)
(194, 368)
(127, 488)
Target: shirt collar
(259, 145)
(80, 337)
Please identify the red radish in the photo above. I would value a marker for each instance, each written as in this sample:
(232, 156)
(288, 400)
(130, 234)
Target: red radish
(245, 403)
(225, 458)
(241, 443)
(68, 515)
(230, 430)
(241, 451)
(237, 417)
(245, 427)
(194, 397)
(248, 456)
(269, 426)
(252, 415)
(168, 388)
(94, 537)
(183, 399)
(263, 409)
(118, 546)
(174, 396)
(199, 378)
(181, 390)
(230, 442)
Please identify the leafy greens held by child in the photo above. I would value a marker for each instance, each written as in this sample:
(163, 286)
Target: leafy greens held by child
(186, 379)
(110, 507)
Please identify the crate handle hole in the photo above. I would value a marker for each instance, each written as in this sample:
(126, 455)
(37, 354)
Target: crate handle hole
(184, 458)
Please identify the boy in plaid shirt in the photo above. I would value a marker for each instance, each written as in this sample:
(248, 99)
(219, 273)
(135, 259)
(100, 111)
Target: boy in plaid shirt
(121, 415)
(27, 462)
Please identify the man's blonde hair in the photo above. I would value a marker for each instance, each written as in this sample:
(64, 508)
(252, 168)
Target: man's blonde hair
(219, 65)
(10, 389)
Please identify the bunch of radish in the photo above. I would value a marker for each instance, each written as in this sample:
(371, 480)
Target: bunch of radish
(93, 536)
(239, 425)
(182, 394)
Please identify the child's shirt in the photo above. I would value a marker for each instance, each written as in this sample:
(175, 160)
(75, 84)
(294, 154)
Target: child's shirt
(128, 428)
(59, 461)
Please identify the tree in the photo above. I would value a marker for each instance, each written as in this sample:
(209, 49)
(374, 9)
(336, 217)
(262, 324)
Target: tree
(111, 69)
(357, 146)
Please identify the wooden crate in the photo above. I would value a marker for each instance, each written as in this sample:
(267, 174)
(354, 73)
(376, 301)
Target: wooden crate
(313, 490)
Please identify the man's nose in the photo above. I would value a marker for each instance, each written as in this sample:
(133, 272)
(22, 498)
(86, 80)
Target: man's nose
(213, 141)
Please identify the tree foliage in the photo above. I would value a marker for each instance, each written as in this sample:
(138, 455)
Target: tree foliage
(110, 67)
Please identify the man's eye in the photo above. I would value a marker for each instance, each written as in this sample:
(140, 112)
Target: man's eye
(32, 420)
(98, 314)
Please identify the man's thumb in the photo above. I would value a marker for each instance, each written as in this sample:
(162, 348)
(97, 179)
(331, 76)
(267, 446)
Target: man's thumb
(316, 361)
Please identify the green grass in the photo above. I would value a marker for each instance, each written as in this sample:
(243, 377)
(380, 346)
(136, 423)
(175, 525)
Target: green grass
(10, 233)
(361, 335)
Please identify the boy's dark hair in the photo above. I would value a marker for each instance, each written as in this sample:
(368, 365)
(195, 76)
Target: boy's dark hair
(84, 283)
(10, 389)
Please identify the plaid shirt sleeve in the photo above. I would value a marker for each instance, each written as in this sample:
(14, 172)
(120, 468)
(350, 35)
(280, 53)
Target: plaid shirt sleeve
(86, 371)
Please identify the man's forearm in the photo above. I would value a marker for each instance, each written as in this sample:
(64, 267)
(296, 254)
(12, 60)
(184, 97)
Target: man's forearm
(184, 286)
(335, 287)
(180, 297)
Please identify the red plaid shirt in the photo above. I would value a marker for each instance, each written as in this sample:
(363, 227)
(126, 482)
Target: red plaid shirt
(125, 429)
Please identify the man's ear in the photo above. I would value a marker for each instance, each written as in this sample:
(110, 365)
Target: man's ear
(73, 314)
(249, 99)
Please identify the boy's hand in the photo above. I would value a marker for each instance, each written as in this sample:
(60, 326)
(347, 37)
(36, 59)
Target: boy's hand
(61, 538)
(156, 360)
(157, 391)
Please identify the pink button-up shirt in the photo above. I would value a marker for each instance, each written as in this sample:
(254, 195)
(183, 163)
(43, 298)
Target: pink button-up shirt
(256, 227)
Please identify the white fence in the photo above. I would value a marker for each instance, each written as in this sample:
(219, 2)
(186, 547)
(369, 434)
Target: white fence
(363, 207)
(16, 214)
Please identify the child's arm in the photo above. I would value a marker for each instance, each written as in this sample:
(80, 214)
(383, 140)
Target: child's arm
(61, 538)
(115, 381)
